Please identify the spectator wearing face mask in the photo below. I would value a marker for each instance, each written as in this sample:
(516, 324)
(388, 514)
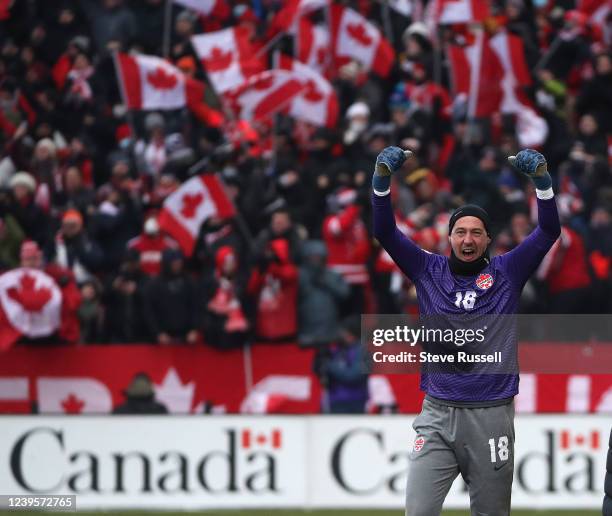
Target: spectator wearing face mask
(151, 244)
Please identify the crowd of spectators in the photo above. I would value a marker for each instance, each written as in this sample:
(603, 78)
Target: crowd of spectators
(82, 180)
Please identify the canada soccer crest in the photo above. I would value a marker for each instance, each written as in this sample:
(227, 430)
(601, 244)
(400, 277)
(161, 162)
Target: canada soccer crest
(419, 442)
(484, 281)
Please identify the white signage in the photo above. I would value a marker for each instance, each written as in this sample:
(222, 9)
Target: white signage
(304, 462)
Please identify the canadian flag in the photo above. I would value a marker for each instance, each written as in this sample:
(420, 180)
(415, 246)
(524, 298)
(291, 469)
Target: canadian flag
(317, 103)
(206, 7)
(532, 129)
(250, 439)
(30, 305)
(354, 37)
(286, 19)
(460, 11)
(266, 93)
(492, 72)
(149, 82)
(227, 56)
(569, 439)
(197, 199)
(313, 45)
(477, 74)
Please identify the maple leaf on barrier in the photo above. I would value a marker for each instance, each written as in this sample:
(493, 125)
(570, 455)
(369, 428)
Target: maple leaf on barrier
(32, 299)
(312, 94)
(218, 60)
(190, 204)
(160, 79)
(72, 404)
(358, 33)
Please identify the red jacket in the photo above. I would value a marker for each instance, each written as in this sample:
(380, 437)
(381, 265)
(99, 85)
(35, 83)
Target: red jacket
(348, 245)
(151, 249)
(276, 290)
(70, 328)
(565, 266)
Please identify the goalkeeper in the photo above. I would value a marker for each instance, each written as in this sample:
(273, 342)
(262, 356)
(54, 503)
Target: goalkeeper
(466, 424)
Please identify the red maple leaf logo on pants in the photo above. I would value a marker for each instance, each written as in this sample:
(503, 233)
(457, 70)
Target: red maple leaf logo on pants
(32, 299)
(190, 204)
(160, 79)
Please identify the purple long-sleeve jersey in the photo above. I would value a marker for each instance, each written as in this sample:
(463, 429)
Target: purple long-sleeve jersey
(494, 290)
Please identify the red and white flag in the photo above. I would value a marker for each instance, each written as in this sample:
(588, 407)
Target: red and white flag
(313, 45)
(287, 18)
(317, 103)
(150, 82)
(355, 38)
(196, 200)
(30, 305)
(227, 56)
(266, 93)
(460, 11)
(532, 129)
(492, 73)
(477, 74)
(206, 7)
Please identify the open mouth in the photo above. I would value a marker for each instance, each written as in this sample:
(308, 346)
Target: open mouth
(468, 253)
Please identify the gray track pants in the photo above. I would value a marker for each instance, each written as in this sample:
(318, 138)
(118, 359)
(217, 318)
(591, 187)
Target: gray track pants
(476, 442)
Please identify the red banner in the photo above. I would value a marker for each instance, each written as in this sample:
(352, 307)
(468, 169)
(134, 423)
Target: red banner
(264, 379)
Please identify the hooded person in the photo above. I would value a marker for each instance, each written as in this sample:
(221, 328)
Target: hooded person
(170, 302)
(140, 398)
(274, 285)
(320, 295)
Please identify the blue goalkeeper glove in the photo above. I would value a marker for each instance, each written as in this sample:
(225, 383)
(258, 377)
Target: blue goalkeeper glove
(390, 160)
(532, 164)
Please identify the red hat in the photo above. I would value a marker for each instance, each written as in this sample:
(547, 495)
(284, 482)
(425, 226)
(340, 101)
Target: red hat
(73, 216)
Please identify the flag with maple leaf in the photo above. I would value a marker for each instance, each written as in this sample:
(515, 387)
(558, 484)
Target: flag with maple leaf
(356, 38)
(266, 93)
(318, 102)
(185, 210)
(312, 45)
(227, 56)
(287, 18)
(30, 305)
(492, 71)
(150, 82)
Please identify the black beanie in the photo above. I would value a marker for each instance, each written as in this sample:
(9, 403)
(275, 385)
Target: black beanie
(470, 210)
